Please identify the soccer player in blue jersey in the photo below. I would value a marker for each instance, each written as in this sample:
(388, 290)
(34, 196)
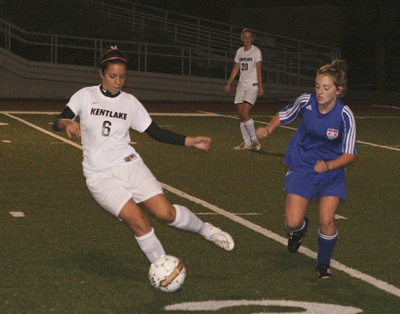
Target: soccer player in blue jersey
(322, 146)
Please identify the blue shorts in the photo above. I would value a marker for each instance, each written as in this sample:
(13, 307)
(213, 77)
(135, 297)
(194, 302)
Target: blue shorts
(313, 184)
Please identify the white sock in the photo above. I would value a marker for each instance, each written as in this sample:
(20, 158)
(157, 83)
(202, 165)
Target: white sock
(245, 133)
(186, 220)
(251, 130)
(205, 231)
(150, 245)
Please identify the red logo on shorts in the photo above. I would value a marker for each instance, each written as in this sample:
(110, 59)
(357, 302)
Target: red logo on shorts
(332, 134)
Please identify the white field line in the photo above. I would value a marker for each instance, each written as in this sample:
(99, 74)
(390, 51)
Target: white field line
(17, 214)
(382, 285)
(380, 146)
(290, 128)
(393, 107)
(237, 214)
(254, 214)
(43, 130)
(31, 112)
(376, 117)
(273, 236)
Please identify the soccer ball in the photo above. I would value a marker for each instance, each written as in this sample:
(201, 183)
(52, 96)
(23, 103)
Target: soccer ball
(167, 273)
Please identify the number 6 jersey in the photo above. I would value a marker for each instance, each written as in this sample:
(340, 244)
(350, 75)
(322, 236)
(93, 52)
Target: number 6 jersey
(105, 124)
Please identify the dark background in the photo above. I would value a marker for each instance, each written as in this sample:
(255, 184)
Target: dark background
(367, 32)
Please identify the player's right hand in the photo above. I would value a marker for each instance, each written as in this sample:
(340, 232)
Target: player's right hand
(200, 142)
(72, 128)
(262, 133)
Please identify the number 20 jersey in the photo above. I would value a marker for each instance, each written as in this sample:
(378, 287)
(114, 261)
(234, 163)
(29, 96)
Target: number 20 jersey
(248, 71)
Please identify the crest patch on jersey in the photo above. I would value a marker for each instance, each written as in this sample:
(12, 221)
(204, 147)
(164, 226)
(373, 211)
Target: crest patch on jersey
(332, 134)
(130, 158)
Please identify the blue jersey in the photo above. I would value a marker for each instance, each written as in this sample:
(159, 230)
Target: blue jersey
(319, 136)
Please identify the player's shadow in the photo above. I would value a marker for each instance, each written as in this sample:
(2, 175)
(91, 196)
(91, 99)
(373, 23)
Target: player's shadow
(262, 152)
(103, 263)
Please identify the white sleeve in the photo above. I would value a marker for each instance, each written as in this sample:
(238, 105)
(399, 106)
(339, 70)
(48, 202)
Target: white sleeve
(141, 118)
(76, 101)
(258, 56)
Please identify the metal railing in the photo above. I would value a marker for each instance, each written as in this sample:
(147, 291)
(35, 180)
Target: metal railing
(147, 57)
(197, 47)
(291, 60)
(193, 31)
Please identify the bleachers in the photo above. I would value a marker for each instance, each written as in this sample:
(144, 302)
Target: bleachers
(286, 60)
(198, 50)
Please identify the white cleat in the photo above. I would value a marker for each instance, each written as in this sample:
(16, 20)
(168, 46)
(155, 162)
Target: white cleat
(243, 146)
(221, 238)
(256, 145)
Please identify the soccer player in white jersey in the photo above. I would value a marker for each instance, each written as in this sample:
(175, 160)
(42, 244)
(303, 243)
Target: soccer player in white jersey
(322, 146)
(115, 173)
(248, 61)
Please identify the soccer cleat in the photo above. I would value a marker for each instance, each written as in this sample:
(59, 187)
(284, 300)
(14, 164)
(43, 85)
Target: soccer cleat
(324, 271)
(294, 241)
(295, 238)
(221, 238)
(256, 145)
(243, 146)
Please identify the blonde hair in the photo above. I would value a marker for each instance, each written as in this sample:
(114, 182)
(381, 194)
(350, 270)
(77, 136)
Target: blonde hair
(337, 70)
(248, 30)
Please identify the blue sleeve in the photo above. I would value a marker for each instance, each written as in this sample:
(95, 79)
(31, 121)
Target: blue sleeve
(349, 126)
(291, 112)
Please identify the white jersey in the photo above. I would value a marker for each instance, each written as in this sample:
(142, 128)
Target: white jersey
(248, 71)
(105, 124)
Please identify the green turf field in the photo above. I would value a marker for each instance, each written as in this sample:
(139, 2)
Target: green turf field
(61, 253)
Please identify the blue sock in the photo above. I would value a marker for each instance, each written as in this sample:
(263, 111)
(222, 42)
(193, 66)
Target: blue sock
(326, 244)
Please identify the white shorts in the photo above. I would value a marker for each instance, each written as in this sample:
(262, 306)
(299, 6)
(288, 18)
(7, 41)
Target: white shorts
(114, 187)
(246, 96)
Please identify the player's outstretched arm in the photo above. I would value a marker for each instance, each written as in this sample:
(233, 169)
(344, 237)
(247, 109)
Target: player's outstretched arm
(200, 142)
(263, 132)
(169, 137)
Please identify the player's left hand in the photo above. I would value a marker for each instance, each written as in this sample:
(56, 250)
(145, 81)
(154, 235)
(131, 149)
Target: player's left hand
(321, 166)
(200, 142)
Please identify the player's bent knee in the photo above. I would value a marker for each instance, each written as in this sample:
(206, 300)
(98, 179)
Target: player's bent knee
(293, 224)
(167, 215)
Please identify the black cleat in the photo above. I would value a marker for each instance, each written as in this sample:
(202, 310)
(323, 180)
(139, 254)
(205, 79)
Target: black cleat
(295, 238)
(324, 271)
(294, 241)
